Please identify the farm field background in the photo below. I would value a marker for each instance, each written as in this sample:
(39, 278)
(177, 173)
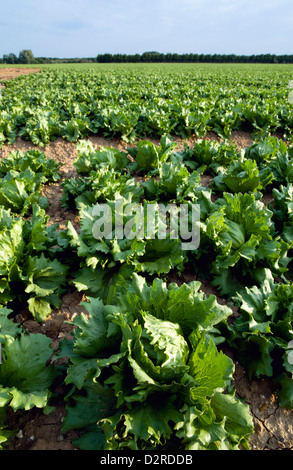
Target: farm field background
(229, 132)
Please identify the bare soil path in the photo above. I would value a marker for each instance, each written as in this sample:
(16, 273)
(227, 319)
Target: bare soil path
(8, 73)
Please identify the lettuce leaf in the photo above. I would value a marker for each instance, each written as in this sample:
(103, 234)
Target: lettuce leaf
(91, 159)
(148, 359)
(261, 335)
(28, 274)
(25, 375)
(242, 176)
(150, 157)
(239, 236)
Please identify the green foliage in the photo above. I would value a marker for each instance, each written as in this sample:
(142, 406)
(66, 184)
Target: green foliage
(128, 103)
(261, 335)
(239, 236)
(23, 175)
(242, 176)
(100, 258)
(209, 154)
(145, 369)
(91, 159)
(36, 161)
(26, 57)
(25, 376)
(100, 186)
(29, 273)
(149, 157)
(154, 375)
(283, 212)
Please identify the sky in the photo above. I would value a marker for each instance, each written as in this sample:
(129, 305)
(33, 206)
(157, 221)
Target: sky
(85, 28)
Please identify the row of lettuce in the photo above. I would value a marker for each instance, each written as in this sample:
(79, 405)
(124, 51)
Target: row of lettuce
(148, 354)
(135, 103)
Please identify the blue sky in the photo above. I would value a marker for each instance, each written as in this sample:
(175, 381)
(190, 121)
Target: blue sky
(84, 28)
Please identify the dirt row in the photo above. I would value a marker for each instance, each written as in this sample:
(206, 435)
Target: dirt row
(8, 73)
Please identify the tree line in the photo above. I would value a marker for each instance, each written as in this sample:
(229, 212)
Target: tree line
(27, 57)
(24, 57)
(153, 56)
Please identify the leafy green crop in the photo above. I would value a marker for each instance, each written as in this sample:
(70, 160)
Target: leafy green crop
(29, 274)
(209, 155)
(134, 103)
(146, 356)
(262, 333)
(239, 238)
(149, 365)
(283, 212)
(100, 258)
(91, 159)
(242, 176)
(19, 191)
(47, 169)
(25, 376)
(23, 175)
(173, 184)
(101, 185)
(149, 157)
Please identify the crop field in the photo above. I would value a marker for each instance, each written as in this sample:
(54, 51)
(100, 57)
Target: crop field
(121, 331)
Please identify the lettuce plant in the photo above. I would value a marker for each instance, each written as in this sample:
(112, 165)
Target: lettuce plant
(239, 238)
(174, 184)
(100, 258)
(283, 212)
(282, 169)
(41, 126)
(91, 159)
(22, 177)
(261, 335)
(226, 119)
(266, 150)
(25, 376)
(209, 155)
(187, 121)
(242, 176)
(19, 191)
(147, 362)
(36, 161)
(30, 273)
(149, 157)
(101, 185)
(120, 122)
(76, 128)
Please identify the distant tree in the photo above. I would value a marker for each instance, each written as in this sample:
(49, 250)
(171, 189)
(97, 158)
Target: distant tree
(41, 60)
(154, 56)
(10, 58)
(151, 56)
(105, 58)
(26, 57)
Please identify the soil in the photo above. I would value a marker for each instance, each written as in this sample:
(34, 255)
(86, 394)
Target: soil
(37, 431)
(8, 73)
